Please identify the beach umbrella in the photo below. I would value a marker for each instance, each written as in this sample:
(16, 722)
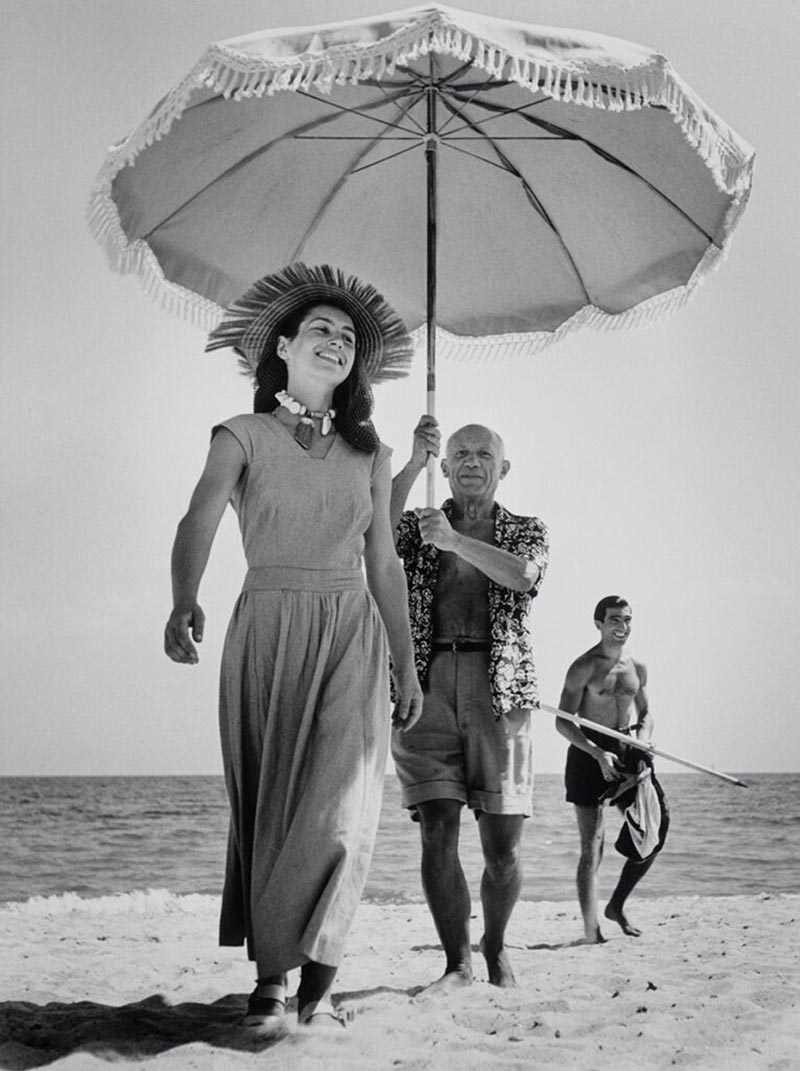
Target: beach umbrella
(501, 183)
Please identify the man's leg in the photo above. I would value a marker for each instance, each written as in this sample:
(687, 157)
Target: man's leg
(500, 888)
(632, 873)
(445, 889)
(590, 828)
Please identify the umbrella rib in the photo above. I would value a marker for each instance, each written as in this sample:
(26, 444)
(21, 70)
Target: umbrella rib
(337, 185)
(425, 83)
(389, 98)
(457, 113)
(260, 151)
(532, 198)
(499, 114)
(502, 166)
(392, 100)
(506, 165)
(474, 89)
(502, 137)
(383, 159)
(445, 78)
(385, 137)
(562, 134)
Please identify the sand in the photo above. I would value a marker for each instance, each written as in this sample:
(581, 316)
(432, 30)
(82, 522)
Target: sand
(713, 983)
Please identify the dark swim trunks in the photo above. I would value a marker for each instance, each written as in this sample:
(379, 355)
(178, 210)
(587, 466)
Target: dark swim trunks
(587, 787)
(583, 778)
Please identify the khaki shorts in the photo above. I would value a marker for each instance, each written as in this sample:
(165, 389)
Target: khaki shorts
(458, 750)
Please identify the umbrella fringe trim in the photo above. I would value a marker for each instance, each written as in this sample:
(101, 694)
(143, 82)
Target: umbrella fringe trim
(137, 258)
(653, 82)
(511, 346)
(645, 314)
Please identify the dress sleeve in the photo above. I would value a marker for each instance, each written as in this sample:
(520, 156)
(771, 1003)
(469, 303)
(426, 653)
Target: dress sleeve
(242, 430)
(380, 459)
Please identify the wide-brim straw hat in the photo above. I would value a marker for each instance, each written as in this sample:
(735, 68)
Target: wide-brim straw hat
(383, 345)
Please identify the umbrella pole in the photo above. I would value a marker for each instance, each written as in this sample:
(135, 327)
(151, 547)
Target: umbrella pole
(431, 160)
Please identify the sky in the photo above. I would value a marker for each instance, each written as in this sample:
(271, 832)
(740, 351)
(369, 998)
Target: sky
(664, 460)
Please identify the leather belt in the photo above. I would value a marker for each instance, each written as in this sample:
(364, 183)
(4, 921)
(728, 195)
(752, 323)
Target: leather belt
(462, 645)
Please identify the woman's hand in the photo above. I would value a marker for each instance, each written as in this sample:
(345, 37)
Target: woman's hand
(177, 642)
(224, 466)
(408, 708)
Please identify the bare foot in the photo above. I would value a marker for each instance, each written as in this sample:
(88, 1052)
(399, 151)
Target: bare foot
(448, 983)
(499, 967)
(616, 914)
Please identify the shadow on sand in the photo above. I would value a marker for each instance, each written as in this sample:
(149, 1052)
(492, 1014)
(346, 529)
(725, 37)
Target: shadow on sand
(34, 1035)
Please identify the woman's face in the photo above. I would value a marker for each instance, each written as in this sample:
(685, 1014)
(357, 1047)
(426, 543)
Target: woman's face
(323, 349)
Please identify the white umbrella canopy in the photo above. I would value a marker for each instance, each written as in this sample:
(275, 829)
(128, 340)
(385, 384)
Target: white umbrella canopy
(502, 183)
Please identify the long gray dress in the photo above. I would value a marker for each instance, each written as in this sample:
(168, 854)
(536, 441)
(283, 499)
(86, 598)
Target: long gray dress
(304, 700)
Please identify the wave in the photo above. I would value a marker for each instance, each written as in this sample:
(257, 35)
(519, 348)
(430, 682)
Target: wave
(722, 842)
(144, 903)
(141, 902)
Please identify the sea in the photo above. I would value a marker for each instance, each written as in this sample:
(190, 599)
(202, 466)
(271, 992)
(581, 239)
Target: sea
(101, 836)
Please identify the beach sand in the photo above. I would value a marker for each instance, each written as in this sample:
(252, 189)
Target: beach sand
(713, 983)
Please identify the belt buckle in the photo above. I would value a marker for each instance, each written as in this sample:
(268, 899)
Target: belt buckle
(454, 646)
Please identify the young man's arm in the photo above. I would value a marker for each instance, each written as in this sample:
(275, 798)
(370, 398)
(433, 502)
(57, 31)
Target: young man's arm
(577, 679)
(644, 724)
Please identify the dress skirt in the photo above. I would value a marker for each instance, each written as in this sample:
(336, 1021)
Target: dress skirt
(304, 722)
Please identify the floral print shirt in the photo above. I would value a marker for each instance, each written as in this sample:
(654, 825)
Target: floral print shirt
(512, 674)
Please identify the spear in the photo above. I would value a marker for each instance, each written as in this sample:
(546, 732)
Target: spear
(631, 741)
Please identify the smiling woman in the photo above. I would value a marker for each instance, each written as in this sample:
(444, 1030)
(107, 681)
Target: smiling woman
(304, 697)
(322, 332)
(318, 349)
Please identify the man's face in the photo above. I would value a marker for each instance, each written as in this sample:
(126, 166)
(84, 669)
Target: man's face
(617, 626)
(474, 464)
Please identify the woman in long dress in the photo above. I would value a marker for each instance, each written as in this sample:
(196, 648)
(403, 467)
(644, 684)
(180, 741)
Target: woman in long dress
(304, 694)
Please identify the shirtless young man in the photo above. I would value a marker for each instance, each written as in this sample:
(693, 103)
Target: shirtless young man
(472, 569)
(604, 685)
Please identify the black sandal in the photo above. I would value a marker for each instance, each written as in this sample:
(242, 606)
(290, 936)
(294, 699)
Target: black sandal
(266, 1006)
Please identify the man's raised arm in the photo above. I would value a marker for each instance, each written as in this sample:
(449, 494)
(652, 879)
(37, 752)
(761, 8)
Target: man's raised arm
(502, 566)
(427, 439)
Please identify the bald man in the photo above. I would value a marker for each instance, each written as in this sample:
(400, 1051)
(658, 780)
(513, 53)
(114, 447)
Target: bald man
(473, 569)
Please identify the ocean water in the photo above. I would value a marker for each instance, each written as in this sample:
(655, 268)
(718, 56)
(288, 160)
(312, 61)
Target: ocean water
(96, 836)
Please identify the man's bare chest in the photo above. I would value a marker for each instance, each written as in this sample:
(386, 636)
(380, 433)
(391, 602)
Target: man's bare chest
(617, 681)
(461, 598)
(454, 571)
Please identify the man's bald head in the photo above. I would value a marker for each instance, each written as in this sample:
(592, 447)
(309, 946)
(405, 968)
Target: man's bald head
(474, 463)
(472, 431)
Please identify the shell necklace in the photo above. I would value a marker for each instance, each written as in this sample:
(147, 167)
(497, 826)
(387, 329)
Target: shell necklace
(304, 429)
